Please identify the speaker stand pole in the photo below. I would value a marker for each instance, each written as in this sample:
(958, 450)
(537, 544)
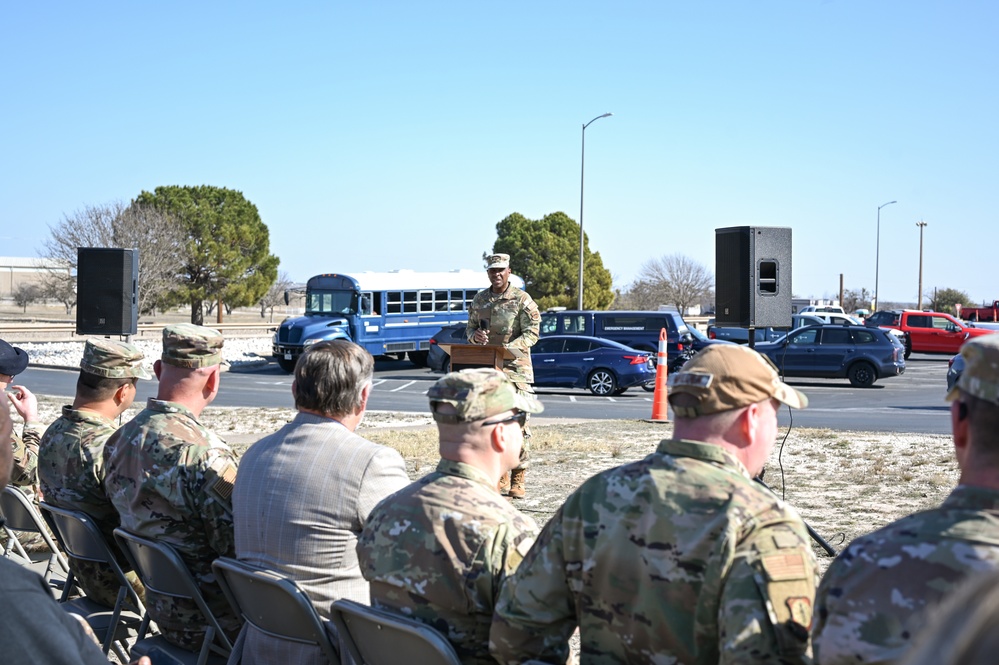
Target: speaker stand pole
(752, 338)
(819, 540)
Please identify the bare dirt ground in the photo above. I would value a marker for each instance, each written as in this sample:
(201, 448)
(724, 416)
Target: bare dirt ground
(843, 484)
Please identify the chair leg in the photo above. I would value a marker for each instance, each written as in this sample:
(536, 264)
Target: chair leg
(206, 646)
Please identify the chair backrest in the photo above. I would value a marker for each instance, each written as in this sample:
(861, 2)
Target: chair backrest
(20, 515)
(82, 539)
(377, 637)
(163, 571)
(274, 604)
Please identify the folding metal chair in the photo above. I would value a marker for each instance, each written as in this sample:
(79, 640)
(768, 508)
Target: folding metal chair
(163, 571)
(377, 637)
(82, 540)
(20, 515)
(273, 604)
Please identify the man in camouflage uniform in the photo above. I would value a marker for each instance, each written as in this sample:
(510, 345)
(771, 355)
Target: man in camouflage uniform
(24, 472)
(439, 549)
(13, 361)
(680, 557)
(505, 315)
(171, 479)
(872, 600)
(71, 459)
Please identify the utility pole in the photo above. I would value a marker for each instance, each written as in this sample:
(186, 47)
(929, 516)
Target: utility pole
(921, 224)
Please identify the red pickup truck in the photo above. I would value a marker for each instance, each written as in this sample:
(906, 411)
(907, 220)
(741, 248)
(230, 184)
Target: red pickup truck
(980, 313)
(929, 332)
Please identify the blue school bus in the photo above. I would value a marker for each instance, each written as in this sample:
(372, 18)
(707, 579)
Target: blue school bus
(388, 313)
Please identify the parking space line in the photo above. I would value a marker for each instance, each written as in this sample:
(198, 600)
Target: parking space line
(402, 387)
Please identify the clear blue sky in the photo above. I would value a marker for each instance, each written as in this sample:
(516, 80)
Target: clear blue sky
(383, 135)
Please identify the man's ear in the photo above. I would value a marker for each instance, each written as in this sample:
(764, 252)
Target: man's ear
(365, 394)
(157, 367)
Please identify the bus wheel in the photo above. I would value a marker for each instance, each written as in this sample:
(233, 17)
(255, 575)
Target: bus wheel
(287, 365)
(418, 358)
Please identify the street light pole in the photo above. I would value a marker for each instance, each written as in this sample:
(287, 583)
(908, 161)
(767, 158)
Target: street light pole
(582, 173)
(877, 256)
(921, 224)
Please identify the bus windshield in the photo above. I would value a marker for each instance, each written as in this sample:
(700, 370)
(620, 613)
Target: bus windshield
(330, 302)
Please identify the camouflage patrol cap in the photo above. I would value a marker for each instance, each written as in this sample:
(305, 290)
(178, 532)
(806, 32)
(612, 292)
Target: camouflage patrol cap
(727, 376)
(113, 360)
(191, 346)
(477, 394)
(497, 261)
(980, 377)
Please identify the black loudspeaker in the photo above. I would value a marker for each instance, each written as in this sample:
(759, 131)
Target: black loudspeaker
(753, 276)
(107, 282)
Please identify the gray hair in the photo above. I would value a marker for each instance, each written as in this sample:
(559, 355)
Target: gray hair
(330, 376)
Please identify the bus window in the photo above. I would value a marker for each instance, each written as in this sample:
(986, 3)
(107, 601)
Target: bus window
(394, 305)
(441, 301)
(409, 302)
(426, 301)
(366, 304)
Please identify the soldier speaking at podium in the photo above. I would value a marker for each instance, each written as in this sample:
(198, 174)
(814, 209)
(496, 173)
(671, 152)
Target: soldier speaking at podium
(505, 315)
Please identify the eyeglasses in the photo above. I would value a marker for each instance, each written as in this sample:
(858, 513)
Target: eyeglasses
(520, 417)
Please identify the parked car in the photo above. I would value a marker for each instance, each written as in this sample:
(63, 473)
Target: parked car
(929, 332)
(636, 329)
(862, 355)
(603, 366)
(812, 309)
(765, 334)
(438, 359)
(954, 368)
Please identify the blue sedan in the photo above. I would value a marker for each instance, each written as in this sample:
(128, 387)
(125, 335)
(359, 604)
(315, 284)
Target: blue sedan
(603, 366)
(862, 355)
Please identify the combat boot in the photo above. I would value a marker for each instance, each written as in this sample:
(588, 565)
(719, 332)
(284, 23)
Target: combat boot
(504, 484)
(517, 483)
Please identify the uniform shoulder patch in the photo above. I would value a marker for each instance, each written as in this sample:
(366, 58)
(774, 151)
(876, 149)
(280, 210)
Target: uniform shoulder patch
(784, 566)
(225, 480)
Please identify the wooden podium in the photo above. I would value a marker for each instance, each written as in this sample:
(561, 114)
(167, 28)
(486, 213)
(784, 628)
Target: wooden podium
(465, 356)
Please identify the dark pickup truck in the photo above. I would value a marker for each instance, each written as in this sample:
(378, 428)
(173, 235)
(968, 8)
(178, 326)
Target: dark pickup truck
(767, 334)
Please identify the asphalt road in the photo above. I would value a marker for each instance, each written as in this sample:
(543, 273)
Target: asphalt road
(913, 402)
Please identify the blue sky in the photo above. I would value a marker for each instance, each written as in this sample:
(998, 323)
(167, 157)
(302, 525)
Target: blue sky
(383, 135)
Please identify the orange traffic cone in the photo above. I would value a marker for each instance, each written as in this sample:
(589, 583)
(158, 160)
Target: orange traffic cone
(660, 403)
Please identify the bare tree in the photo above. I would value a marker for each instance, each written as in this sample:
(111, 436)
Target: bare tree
(59, 285)
(854, 299)
(674, 279)
(24, 294)
(275, 295)
(161, 242)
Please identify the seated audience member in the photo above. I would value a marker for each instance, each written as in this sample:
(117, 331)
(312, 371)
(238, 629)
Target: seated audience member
(438, 550)
(962, 629)
(171, 479)
(680, 557)
(33, 627)
(304, 493)
(13, 361)
(871, 601)
(71, 457)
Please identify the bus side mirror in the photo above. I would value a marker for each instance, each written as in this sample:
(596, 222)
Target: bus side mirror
(287, 298)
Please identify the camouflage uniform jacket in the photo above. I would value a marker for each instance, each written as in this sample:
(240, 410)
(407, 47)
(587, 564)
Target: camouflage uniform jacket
(171, 480)
(25, 471)
(438, 550)
(514, 322)
(71, 473)
(871, 600)
(677, 558)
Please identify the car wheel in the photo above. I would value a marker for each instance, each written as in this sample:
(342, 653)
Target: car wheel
(862, 375)
(908, 348)
(287, 365)
(446, 366)
(601, 382)
(418, 358)
(649, 386)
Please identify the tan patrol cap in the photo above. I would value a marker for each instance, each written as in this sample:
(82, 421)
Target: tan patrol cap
(980, 377)
(727, 376)
(113, 360)
(191, 346)
(497, 261)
